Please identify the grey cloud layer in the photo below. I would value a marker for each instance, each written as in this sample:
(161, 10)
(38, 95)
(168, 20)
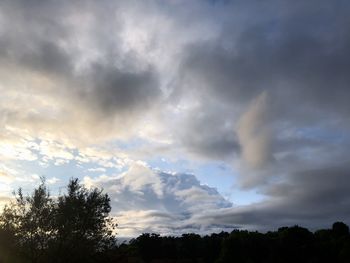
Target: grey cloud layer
(312, 198)
(297, 54)
(298, 47)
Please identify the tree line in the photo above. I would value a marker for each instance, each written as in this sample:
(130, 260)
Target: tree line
(286, 245)
(75, 227)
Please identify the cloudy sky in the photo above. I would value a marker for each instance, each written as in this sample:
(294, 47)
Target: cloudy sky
(194, 116)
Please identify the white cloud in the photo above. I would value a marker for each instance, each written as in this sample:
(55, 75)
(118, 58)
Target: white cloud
(7, 175)
(144, 199)
(53, 180)
(17, 146)
(55, 150)
(97, 170)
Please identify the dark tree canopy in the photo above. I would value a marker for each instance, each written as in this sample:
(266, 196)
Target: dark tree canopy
(74, 227)
(82, 223)
(30, 220)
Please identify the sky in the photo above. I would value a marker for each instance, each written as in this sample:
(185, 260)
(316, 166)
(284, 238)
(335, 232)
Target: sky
(193, 115)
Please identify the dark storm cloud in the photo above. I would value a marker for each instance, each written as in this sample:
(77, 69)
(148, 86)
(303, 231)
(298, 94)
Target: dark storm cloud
(298, 51)
(42, 41)
(297, 54)
(208, 133)
(114, 90)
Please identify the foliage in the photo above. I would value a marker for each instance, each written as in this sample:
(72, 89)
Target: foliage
(71, 228)
(288, 244)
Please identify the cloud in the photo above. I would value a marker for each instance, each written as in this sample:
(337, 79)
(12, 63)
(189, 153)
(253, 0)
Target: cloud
(54, 150)
(312, 198)
(296, 53)
(288, 49)
(107, 90)
(156, 200)
(53, 180)
(255, 134)
(7, 175)
(205, 133)
(98, 170)
(116, 91)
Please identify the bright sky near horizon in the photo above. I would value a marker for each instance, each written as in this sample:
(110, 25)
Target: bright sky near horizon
(194, 116)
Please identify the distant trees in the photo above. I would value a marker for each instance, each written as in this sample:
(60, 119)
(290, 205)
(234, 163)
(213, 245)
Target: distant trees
(287, 244)
(71, 228)
(340, 229)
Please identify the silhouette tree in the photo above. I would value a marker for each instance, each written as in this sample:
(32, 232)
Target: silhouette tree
(339, 229)
(244, 246)
(9, 251)
(30, 220)
(75, 227)
(148, 246)
(295, 244)
(82, 223)
(190, 246)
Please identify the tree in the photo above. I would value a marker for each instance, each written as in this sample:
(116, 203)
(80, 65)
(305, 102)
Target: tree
(340, 229)
(29, 219)
(82, 223)
(74, 227)
(8, 249)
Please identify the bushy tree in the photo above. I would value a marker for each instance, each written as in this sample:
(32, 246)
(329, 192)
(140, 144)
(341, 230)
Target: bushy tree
(30, 221)
(82, 223)
(74, 227)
